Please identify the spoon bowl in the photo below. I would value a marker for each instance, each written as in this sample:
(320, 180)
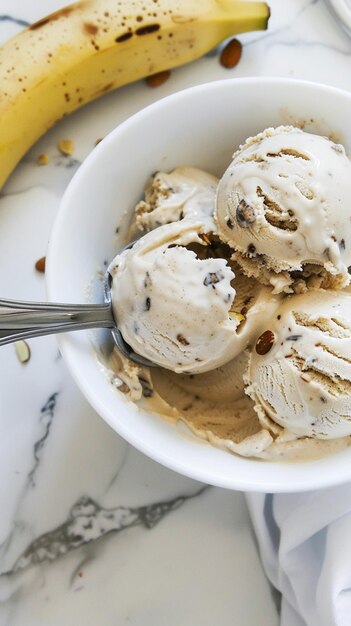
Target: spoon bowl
(21, 320)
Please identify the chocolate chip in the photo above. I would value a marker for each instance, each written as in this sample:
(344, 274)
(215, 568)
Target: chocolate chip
(295, 274)
(322, 399)
(245, 214)
(260, 258)
(293, 337)
(147, 304)
(212, 278)
(182, 339)
(342, 244)
(146, 387)
(251, 249)
(265, 342)
(230, 223)
(147, 280)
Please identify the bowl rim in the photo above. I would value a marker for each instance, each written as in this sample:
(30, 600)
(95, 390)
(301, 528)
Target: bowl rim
(310, 482)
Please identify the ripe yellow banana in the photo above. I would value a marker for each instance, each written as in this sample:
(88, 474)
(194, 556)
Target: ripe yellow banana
(91, 47)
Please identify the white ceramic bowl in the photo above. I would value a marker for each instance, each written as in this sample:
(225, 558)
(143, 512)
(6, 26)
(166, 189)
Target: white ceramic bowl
(200, 126)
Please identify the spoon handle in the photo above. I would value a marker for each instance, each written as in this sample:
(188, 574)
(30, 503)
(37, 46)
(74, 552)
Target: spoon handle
(21, 320)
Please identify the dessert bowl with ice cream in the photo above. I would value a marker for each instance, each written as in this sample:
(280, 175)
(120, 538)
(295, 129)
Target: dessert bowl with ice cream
(237, 287)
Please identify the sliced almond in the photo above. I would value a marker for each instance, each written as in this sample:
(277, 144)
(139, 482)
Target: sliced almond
(22, 350)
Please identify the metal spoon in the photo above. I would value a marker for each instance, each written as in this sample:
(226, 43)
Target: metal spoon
(22, 320)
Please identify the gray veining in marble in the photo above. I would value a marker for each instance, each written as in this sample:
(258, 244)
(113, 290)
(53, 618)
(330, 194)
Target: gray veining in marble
(14, 20)
(87, 521)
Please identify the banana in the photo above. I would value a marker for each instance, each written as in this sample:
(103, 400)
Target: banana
(89, 48)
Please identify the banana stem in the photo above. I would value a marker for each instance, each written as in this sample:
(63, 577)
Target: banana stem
(255, 15)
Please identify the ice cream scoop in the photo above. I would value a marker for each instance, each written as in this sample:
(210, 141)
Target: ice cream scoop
(177, 308)
(169, 197)
(284, 205)
(299, 372)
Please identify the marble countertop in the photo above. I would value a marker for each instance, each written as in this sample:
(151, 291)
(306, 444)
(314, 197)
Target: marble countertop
(91, 531)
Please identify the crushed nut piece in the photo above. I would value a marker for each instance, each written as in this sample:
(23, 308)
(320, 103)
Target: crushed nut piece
(23, 351)
(66, 147)
(123, 388)
(42, 159)
(236, 316)
(205, 238)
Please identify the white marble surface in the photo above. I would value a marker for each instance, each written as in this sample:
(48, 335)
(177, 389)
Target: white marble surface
(92, 532)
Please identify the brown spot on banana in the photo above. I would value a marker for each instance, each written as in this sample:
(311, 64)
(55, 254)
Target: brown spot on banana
(103, 90)
(123, 37)
(146, 30)
(182, 19)
(65, 12)
(90, 29)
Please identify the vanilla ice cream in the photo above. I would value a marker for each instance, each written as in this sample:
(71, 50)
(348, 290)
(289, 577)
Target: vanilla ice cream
(299, 373)
(182, 311)
(284, 205)
(169, 197)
